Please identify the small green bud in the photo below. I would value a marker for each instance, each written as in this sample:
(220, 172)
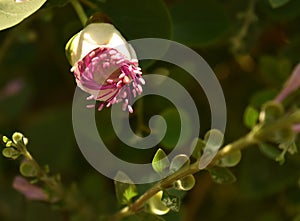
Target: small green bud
(25, 140)
(5, 139)
(9, 143)
(17, 137)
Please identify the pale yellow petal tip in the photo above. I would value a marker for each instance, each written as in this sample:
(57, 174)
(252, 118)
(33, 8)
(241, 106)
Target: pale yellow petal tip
(97, 35)
(156, 206)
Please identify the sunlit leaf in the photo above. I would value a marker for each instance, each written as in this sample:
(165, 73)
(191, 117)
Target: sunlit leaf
(160, 161)
(214, 140)
(250, 117)
(156, 206)
(125, 190)
(13, 12)
(230, 160)
(179, 161)
(186, 183)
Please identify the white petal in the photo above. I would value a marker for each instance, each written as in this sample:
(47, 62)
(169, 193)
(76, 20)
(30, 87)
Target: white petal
(96, 35)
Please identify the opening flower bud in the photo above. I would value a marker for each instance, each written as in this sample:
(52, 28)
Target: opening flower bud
(105, 65)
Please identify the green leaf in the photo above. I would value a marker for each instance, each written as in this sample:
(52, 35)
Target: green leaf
(222, 175)
(179, 161)
(230, 160)
(199, 23)
(27, 169)
(125, 190)
(275, 70)
(199, 146)
(250, 117)
(261, 97)
(214, 140)
(160, 162)
(269, 150)
(13, 12)
(11, 152)
(186, 183)
(278, 3)
(271, 111)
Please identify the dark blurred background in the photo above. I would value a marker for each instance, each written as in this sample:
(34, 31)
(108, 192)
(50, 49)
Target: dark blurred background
(36, 91)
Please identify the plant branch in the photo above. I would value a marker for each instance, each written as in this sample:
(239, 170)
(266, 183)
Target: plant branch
(253, 137)
(249, 17)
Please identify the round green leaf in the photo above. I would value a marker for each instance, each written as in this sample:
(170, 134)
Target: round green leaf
(27, 169)
(269, 150)
(186, 183)
(250, 117)
(214, 140)
(230, 160)
(199, 23)
(13, 12)
(270, 112)
(160, 161)
(179, 161)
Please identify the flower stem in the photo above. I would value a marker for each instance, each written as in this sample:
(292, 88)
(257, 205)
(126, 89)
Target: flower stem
(80, 12)
(249, 17)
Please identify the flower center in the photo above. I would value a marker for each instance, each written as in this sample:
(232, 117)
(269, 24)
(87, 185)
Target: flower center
(109, 77)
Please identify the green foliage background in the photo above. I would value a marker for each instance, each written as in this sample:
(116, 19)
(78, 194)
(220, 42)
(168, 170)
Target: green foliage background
(32, 58)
